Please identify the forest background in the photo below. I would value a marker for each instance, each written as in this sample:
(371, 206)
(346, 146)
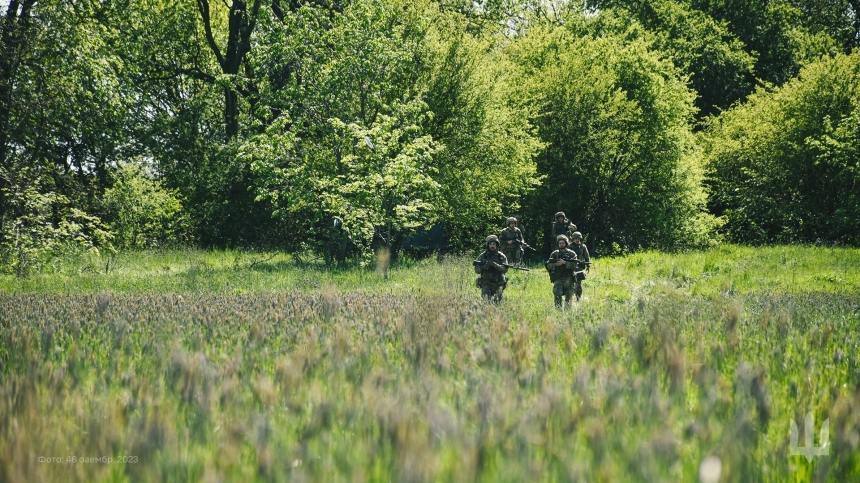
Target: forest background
(282, 125)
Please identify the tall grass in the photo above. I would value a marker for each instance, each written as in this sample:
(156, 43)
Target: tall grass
(229, 365)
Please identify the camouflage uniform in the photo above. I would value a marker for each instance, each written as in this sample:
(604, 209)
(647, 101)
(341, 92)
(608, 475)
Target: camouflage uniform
(563, 277)
(521, 226)
(513, 251)
(337, 244)
(582, 255)
(493, 280)
(565, 228)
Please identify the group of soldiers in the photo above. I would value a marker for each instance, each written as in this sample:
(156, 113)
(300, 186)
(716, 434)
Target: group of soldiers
(566, 265)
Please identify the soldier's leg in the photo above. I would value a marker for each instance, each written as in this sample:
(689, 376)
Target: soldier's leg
(558, 292)
(568, 291)
(487, 291)
(578, 289)
(497, 295)
(518, 256)
(342, 246)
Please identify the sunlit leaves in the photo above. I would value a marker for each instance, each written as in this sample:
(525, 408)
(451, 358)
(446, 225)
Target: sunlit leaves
(783, 166)
(382, 187)
(615, 117)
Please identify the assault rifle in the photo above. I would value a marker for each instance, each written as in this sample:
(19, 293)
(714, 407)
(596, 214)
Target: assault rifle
(569, 259)
(482, 263)
(524, 245)
(554, 274)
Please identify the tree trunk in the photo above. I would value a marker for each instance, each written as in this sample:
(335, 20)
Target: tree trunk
(231, 113)
(241, 25)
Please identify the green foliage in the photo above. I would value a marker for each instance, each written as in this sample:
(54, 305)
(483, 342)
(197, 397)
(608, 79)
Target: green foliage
(719, 68)
(783, 166)
(486, 165)
(382, 190)
(39, 227)
(254, 114)
(778, 33)
(836, 18)
(312, 162)
(620, 155)
(141, 213)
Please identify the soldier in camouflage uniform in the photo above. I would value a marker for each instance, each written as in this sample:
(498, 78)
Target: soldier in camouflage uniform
(562, 271)
(509, 237)
(584, 261)
(492, 270)
(337, 244)
(562, 226)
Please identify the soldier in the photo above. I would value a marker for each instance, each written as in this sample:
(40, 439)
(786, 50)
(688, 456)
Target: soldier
(562, 226)
(337, 245)
(491, 266)
(521, 226)
(512, 239)
(562, 271)
(584, 260)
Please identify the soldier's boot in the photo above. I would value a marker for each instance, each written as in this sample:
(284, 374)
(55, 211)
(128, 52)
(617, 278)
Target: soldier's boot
(558, 301)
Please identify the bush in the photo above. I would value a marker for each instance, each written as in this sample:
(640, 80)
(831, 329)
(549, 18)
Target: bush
(142, 213)
(41, 226)
(784, 166)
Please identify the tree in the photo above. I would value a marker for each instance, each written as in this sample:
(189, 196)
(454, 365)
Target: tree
(777, 32)
(840, 19)
(719, 67)
(784, 166)
(619, 156)
(240, 23)
(373, 69)
(486, 164)
(141, 213)
(382, 190)
(63, 104)
(352, 81)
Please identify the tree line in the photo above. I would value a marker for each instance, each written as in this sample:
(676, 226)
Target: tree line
(261, 123)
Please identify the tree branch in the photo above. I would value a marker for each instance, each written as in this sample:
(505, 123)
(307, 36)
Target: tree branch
(278, 10)
(203, 6)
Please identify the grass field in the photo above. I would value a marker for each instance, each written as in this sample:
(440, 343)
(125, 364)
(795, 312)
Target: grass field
(226, 366)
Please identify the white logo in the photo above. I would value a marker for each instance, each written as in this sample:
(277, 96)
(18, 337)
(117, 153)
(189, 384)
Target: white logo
(809, 449)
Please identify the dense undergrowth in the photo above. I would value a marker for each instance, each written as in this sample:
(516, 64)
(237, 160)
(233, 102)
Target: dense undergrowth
(226, 366)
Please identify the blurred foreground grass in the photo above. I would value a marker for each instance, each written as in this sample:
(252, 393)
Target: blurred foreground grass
(224, 366)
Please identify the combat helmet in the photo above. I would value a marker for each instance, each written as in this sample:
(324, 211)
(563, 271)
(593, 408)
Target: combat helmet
(576, 235)
(561, 214)
(562, 237)
(492, 238)
(511, 219)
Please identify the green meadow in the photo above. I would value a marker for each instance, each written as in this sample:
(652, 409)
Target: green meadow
(242, 366)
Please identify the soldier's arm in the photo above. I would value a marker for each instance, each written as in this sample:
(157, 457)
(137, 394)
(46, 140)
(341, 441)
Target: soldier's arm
(501, 268)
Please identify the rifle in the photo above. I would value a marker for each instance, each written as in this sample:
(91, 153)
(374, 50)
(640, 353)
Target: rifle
(481, 263)
(571, 260)
(524, 245)
(554, 274)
